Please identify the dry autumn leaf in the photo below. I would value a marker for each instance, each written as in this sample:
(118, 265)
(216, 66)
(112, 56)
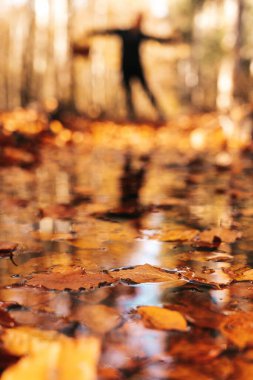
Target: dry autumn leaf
(162, 319)
(71, 279)
(147, 273)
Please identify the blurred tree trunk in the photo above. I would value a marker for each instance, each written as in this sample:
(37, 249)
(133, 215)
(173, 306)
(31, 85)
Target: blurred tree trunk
(240, 91)
(28, 57)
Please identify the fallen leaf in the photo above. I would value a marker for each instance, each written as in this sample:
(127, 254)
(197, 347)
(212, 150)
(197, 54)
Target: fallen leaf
(22, 341)
(243, 369)
(71, 279)
(238, 328)
(54, 236)
(176, 235)
(244, 276)
(162, 319)
(224, 234)
(197, 309)
(98, 318)
(44, 320)
(58, 211)
(5, 319)
(196, 349)
(62, 360)
(7, 247)
(146, 273)
(212, 274)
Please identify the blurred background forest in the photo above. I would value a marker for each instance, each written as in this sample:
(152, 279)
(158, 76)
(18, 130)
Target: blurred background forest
(211, 68)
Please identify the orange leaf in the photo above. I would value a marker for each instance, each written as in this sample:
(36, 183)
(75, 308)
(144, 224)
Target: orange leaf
(238, 328)
(162, 319)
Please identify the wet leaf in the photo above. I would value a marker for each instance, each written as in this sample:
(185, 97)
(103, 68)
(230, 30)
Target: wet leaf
(162, 319)
(211, 274)
(63, 360)
(5, 318)
(238, 328)
(72, 279)
(245, 276)
(22, 341)
(59, 211)
(197, 348)
(224, 234)
(7, 247)
(98, 318)
(177, 235)
(147, 273)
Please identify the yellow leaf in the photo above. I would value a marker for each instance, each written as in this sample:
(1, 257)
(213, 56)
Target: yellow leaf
(162, 319)
(50, 355)
(25, 340)
(61, 360)
(177, 235)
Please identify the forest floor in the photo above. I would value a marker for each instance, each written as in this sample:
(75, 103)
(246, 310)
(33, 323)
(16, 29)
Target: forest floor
(125, 250)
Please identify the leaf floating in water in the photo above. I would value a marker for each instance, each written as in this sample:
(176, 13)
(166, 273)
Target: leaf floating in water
(223, 234)
(245, 276)
(177, 235)
(147, 273)
(162, 319)
(72, 279)
(7, 247)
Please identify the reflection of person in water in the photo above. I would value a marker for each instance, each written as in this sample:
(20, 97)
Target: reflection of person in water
(131, 65)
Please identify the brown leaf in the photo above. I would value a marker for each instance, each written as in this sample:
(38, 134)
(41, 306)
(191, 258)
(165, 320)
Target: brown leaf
(197, 309)
(71, 279)
(162, 319)
(238, 328)
(99, 318)
(209, 274)
(147, 273)
(5, 319)
(197, 349)
(7, 247)
(224, 234)
(58, 211)
(177, 235)
(44, 320)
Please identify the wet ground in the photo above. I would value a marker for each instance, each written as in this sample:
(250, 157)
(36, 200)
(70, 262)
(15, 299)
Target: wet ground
(126, 196)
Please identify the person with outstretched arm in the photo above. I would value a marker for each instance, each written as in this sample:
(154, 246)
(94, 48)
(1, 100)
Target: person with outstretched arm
(131, 64)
